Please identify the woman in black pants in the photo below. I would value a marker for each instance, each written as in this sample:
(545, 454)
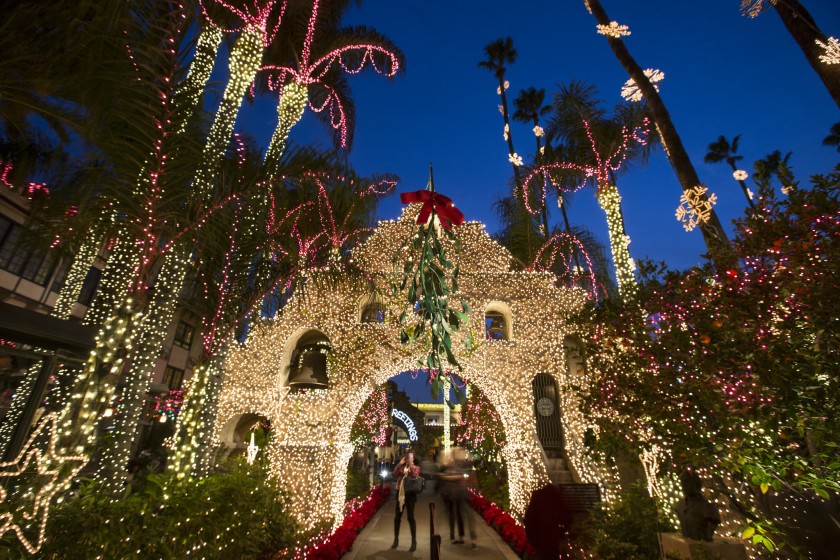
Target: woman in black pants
(405, 501)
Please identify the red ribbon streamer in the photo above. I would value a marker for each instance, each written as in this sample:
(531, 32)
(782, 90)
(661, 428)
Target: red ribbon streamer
(443, 205)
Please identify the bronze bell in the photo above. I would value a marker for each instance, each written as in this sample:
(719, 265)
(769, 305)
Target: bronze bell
(311, 372)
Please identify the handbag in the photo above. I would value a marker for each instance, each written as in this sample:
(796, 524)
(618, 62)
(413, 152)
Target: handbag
(414, 485)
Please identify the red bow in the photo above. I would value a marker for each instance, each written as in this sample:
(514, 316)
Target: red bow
(443, 205)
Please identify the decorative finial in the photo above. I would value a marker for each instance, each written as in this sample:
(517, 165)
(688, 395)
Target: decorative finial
(431, 185)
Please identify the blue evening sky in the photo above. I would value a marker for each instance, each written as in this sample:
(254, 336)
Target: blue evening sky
(724, 74)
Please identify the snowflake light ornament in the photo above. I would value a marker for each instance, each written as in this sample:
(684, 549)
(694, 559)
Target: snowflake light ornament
(499, 88)
(694, 209)
(631, 92)
(538, 131)
(613, 30)
(515, 159)
(740, 175)
(832, 51)
(507, 131)
(787, 190)
(754, 8)
(501, 110)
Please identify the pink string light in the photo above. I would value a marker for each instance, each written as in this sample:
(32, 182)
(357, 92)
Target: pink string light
(601, 170)
(254, 14)
(313, 73)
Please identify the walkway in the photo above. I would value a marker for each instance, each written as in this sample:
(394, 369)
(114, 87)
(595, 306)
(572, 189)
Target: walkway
(375, 540)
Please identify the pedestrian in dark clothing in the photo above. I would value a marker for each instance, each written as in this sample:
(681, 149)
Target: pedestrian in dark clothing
(455, 481)
(405, 501)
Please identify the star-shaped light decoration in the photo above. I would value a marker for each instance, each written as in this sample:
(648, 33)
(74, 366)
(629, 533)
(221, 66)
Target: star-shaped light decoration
(631, 92)
(694, 209)
(740, 175)
(614, 29)
(27, 514)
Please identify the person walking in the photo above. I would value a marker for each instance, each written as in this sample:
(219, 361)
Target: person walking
(456, 480)
(405, 470)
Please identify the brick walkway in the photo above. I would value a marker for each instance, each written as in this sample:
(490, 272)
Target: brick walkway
(374, 542)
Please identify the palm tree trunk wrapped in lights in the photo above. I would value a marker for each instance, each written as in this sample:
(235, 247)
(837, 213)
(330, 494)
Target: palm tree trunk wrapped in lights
(293, 100)
(150, 339)
(713, 234)
(191, 449)
(245, 61)
(610, 202)
(109, 304)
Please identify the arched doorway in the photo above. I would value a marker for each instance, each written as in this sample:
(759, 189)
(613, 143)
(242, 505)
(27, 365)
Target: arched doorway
(313, 444)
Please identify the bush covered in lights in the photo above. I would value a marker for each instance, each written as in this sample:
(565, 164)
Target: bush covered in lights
(735, 372)
(624, 529)
(233, 514)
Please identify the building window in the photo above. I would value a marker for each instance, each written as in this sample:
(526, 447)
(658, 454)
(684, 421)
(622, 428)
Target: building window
(184, 334)
(173, 377)
(60, 277)
(8, 244)
(31, 264)
(38, 268)
(89, 286)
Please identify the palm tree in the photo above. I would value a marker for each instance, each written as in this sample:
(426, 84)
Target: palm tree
(529, 108)
(499, 54)
(804, 30)
(310, 63)
(833, 138)
(714, 236)
(596, 147)
(722, 150)
(123, 105)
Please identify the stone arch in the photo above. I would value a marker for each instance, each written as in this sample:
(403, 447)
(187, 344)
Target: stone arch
(499, 311)
(311, 448)
(232, 434)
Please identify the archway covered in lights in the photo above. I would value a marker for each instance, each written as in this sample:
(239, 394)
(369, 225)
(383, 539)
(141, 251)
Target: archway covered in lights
(311, 448)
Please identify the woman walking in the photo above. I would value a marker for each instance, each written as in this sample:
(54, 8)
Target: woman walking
(409, 484)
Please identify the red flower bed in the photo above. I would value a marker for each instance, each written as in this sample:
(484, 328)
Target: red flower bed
(357, 514)
(511, 532)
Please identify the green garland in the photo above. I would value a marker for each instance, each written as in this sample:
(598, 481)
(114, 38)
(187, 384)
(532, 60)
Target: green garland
(429, 291)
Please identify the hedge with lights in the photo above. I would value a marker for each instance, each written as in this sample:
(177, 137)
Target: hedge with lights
(734, 372)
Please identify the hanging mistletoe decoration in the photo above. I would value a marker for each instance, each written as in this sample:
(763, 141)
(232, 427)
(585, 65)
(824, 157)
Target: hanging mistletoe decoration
(431, 278)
